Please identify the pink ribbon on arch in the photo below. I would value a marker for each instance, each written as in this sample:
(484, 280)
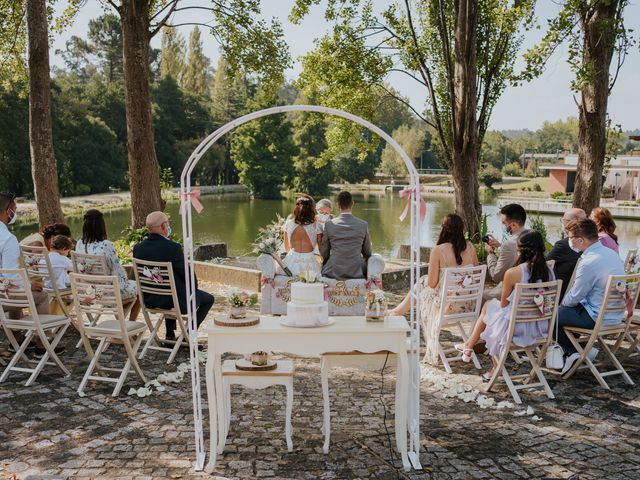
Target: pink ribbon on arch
(194, 195)
(408, 193)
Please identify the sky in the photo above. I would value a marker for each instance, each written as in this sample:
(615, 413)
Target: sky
(547, 98)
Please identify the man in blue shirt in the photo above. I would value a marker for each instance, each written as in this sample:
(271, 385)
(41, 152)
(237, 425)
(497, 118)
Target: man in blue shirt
(583, 302)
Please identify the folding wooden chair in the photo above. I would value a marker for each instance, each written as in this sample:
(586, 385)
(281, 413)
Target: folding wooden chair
(621, 291)
(460, 303)
(38, 266)
(631, 261)
(15, 295)
(525, 310)
(100, 295)
(156, 278)
(88, 264)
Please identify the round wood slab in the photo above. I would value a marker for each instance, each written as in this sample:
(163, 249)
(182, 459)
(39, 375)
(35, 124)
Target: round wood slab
(224, 320)
(243, 364)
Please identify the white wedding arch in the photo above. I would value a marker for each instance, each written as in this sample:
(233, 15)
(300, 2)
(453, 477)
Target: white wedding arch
(186, 193)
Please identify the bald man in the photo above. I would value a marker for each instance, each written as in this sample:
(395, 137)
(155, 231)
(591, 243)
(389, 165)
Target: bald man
(158, 248)
(565, 257)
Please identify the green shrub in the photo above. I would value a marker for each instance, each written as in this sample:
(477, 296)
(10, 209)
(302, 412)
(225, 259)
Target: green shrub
(536, 187)
(512, 170)
(490, 175)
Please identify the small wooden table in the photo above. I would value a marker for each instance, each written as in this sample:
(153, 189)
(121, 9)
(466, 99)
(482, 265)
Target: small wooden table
(346, 334)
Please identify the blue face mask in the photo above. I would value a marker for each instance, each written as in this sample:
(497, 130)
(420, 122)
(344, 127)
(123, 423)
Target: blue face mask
(169, 231)
(506, 230)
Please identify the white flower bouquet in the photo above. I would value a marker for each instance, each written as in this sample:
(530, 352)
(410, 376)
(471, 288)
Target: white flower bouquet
(375, 305)
(309, 276)
(269, 242)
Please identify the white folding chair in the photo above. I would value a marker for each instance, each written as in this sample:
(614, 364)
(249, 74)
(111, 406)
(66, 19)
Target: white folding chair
(620, 291)
(38, 266)
(525, 310)
(100, 295)
(88, 264)
(631, 260)
(156, 278)
(15, 295)
(460, 303)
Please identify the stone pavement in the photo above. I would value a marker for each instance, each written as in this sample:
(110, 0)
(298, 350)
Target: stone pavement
(47, 429)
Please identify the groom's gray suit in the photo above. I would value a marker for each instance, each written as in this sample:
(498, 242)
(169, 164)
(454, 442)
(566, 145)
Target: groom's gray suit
(345, 247)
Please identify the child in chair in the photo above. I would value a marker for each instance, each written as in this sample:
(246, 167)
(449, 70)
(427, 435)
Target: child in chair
(60, 262)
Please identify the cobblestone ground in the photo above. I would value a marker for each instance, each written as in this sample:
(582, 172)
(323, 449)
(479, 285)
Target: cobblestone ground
(47, 429)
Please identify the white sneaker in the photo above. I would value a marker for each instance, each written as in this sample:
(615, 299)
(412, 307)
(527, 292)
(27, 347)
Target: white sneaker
(593, 353)
(569, 361)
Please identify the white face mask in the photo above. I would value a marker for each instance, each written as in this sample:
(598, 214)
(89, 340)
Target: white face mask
(323, 217)
(572, 246)
(13, 218)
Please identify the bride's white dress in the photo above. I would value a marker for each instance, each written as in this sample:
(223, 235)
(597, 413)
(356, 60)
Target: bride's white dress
(299, 262)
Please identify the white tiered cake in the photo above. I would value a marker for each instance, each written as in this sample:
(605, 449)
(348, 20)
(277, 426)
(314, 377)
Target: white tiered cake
(307, 307)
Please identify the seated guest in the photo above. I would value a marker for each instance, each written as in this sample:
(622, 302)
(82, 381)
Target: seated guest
(493, 323)
(565, 257)
(606, 228)
(324, 207)
(9, 259)
(502, 257)
(158, 248)
(94, 242)
(44, 236)
(583, 302)
(345, 245)
(451, 250)
(60, 262)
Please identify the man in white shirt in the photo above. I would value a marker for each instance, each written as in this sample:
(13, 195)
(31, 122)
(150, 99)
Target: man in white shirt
(10, 252)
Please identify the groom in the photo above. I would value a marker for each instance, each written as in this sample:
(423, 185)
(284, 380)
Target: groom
(345, 245)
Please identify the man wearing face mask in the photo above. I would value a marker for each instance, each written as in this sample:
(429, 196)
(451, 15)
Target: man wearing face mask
(157, 247)
(564, 256)
(10, 255)
(583, 302)
(502, 257)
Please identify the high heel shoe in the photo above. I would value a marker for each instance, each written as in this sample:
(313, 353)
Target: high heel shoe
(466, 352)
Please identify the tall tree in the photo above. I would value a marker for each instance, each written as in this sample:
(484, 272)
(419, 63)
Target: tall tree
(252, 44)
(172, 54)
(105, 35)
(595, 31)
(43, 160)
(461, 52)
(196, 71)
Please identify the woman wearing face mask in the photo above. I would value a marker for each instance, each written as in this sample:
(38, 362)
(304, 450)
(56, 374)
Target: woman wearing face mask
(324, 208)
(94, 242)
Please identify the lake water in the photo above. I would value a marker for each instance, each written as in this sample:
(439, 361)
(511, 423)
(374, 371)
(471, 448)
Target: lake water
(235, 220)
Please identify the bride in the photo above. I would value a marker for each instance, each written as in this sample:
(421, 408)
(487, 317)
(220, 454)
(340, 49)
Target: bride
(302, 234)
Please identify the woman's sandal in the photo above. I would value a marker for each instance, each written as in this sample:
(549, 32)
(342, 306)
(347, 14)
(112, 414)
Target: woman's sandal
(487, 376)
(466, 352)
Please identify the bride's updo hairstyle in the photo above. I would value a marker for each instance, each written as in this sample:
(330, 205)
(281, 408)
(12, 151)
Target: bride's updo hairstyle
(453, 232)
(531, 248)
(305, 211)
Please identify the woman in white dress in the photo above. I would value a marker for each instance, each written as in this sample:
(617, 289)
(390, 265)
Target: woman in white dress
(493, 324)
(302, 234)
(94, 242)
(451, 250)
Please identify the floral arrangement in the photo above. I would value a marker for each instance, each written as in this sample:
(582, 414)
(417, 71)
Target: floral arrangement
(309, 276)
(240, 299)
(375, 304)
(269, 242)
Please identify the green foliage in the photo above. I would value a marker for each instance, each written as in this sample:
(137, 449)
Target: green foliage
(15, 165)
(414, 140)
(172, 53)
(476, 240)
(537, 224)
(536, 187)
(263, 152)
(497, 150)
(489, 175)
(196, 75)
(512, 170)
(128, 239)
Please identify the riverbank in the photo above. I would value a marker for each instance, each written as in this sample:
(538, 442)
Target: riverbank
(76, 206)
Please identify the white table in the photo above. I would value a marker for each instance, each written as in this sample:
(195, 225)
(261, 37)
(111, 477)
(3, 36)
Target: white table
(346, 334)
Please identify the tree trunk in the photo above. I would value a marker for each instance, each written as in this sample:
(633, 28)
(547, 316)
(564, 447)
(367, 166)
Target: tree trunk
(598, 46)
(43, 160)
(144, 173)
(465, 126)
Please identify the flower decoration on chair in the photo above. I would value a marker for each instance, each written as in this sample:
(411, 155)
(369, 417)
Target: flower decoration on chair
(32, 262)
(88, 297)
(153, 274)
(377, 281)
(269, 242)
(84, 267)
(623, 288)
(543, 302)
(5, 286)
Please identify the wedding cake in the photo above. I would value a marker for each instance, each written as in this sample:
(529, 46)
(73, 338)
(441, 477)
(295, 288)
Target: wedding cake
(307, 307)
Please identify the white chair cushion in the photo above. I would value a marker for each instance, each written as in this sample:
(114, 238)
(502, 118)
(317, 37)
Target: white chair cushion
(45, 320)
(114, 326)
